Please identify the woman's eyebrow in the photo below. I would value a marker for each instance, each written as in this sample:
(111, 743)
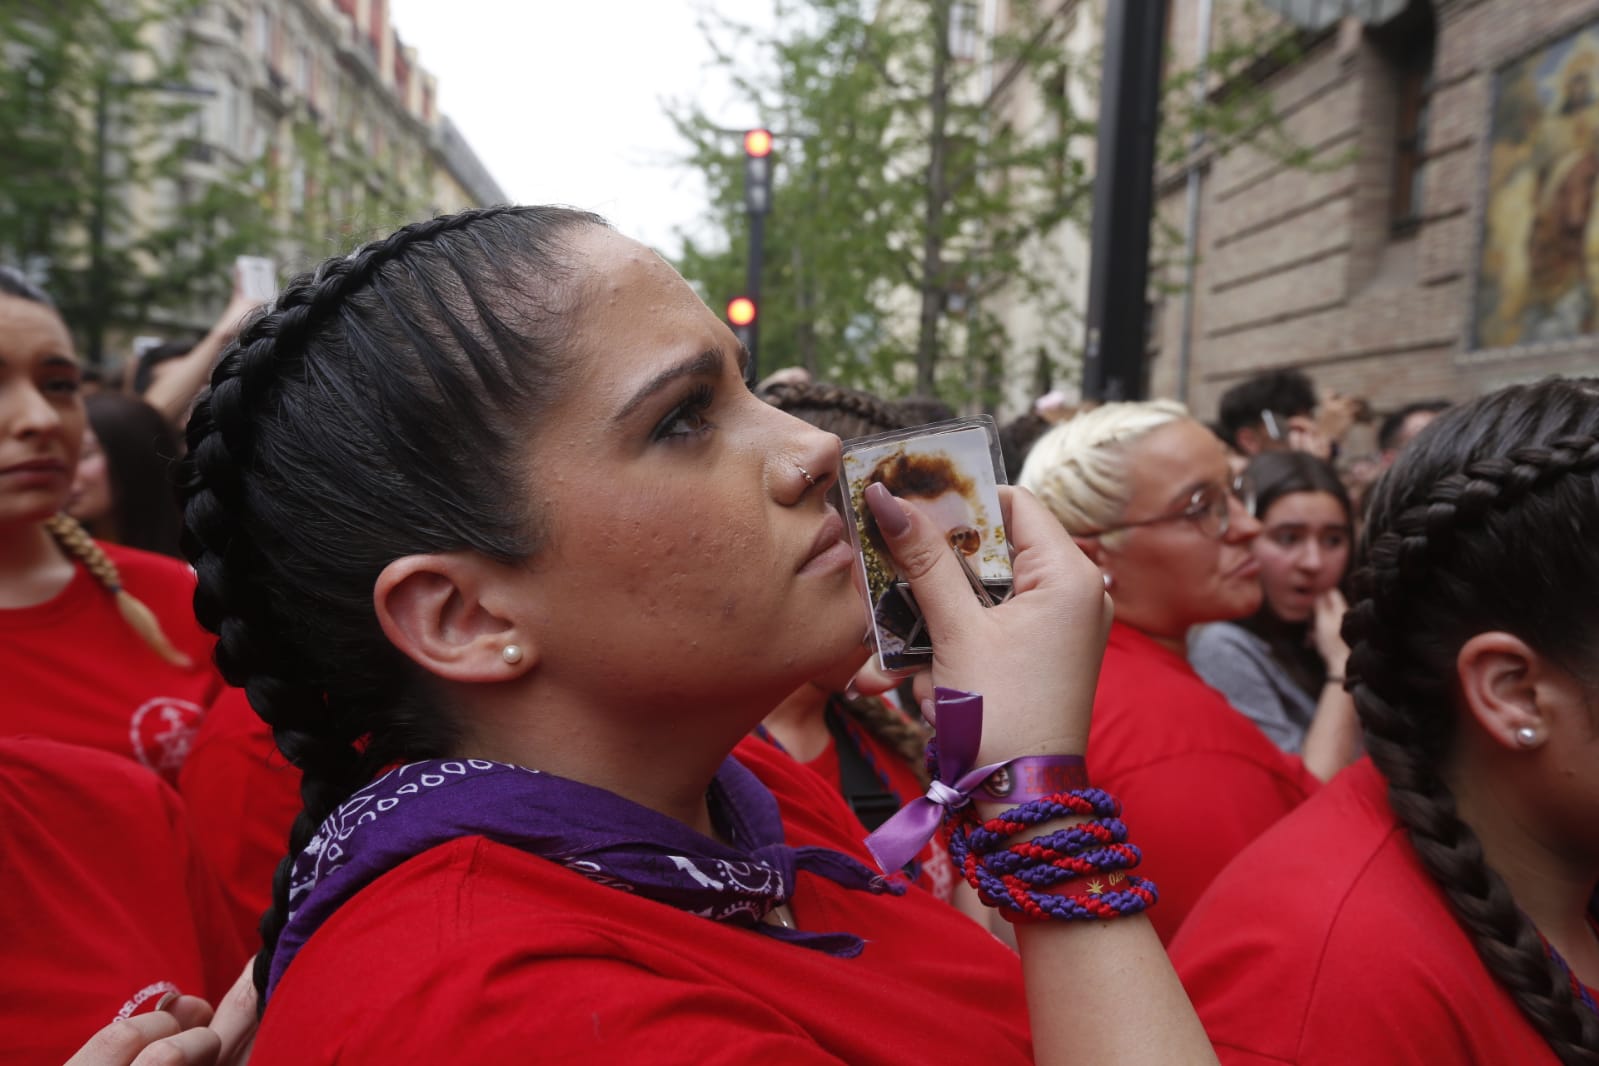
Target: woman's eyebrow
(706, 364)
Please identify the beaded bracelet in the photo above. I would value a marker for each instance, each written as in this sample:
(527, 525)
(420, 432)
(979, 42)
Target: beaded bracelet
(1016, 877)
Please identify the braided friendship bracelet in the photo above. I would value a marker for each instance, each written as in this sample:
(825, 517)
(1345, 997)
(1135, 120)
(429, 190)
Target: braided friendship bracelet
(1016, 877)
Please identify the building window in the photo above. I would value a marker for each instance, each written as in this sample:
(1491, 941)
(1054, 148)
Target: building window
(1408, 43)
(263, 31)
(963, 29)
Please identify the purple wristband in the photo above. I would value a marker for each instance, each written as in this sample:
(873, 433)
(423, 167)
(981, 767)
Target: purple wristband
(957, 782)
(1032, 777)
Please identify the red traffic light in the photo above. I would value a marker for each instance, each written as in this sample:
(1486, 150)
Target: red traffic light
(741, 310)
(758, 143)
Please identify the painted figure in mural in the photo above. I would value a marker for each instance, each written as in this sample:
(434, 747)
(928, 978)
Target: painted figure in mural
(1540, 261)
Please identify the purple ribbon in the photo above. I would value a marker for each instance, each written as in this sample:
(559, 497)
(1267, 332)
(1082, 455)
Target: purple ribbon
(1019, 780)
(960, 730)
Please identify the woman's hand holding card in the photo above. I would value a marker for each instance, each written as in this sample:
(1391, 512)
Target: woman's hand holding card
(1034, 658)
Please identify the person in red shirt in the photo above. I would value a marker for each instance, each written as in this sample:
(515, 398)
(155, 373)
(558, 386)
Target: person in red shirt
(1438, 903)
(108, 904)
(498, 541)
(1146, 492)
(100, 646)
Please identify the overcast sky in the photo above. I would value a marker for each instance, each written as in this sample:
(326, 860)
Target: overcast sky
(563, 100)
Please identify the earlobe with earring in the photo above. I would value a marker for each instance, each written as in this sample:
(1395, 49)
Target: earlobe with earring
(512, 654)
(1527, 736)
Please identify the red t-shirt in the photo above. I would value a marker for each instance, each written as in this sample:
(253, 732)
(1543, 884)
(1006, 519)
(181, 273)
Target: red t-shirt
(478, 952)
(106, 903)
(1325, 943)
(76, 671)
(242, 796)
(1197, 780)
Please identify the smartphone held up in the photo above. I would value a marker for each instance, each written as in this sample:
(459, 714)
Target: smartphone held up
(951, 470)
(258, 277)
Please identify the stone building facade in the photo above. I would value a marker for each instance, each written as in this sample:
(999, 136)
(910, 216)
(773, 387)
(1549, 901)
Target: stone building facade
(1444, 239)
(338, 109)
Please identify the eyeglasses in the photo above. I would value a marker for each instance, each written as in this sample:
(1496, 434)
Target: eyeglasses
(1210, 509)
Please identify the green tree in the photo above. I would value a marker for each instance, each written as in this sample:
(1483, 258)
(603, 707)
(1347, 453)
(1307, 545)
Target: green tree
(899, 204)
(97, 197)
(908, 197)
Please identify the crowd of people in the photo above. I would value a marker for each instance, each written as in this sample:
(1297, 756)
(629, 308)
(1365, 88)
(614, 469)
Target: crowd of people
(510, 699)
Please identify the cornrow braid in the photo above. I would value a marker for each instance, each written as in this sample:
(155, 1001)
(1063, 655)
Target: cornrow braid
(76, 542)
(907, 738)
(1472, 523)
(842, 411)
(377, 409)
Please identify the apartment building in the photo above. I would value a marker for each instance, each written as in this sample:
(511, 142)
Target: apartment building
(1443, 240)
(338, 107)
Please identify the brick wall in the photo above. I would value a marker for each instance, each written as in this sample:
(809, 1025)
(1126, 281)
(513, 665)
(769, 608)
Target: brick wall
(1299, 266)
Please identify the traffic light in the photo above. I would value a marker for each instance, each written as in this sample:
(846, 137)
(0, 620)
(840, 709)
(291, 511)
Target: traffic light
(741, 311)
(757, 171)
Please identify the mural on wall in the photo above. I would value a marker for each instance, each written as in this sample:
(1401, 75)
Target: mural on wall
(1538, 279)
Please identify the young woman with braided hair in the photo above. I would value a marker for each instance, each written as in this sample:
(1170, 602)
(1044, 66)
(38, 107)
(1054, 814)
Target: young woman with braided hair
(499, 543)
(1436, 903)
(100, 645)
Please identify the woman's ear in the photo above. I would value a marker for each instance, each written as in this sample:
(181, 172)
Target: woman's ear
(1501, 680)
(437, 610)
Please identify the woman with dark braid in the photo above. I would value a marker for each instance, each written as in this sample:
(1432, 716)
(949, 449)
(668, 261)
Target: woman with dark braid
(100, 644)
(498, 542)
(1436, 902)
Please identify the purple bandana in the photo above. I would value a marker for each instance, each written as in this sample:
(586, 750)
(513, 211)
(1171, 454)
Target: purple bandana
(609, 840)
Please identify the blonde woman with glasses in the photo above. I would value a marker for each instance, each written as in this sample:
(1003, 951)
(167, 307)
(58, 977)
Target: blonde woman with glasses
(1146, 493)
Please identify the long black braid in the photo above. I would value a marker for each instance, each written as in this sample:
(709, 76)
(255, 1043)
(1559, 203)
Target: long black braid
(1488, 523)
(379, 408)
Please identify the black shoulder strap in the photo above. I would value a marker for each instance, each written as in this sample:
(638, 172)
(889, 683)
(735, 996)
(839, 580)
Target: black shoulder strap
(863, 789)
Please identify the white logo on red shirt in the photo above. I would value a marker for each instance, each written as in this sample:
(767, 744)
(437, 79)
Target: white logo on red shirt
(162, 732)
(145, 995)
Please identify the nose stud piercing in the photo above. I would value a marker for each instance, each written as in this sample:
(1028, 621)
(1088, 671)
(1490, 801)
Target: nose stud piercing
(512, 654)
(1526, 736)
(806, 474)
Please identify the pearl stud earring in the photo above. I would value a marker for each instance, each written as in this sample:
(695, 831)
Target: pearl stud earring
(512, 654)
(1526, 736)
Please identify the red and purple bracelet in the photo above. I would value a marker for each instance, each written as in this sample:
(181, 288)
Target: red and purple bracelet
(1016, 877)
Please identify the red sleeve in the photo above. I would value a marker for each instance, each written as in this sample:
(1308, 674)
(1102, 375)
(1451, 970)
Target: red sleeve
(107, 902)
(222, 950)
(242, 799)
(1189, 829)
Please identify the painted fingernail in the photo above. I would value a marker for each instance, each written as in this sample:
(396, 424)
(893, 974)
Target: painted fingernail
(166, 1001)
(852, 690)
(890, 515)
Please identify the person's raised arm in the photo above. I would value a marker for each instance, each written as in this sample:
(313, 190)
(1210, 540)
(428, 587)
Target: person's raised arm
(1096, 991)
(1333, 740)
(173, 393)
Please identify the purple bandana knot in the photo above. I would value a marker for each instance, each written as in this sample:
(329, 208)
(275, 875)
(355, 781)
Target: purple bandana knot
(609, 840)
